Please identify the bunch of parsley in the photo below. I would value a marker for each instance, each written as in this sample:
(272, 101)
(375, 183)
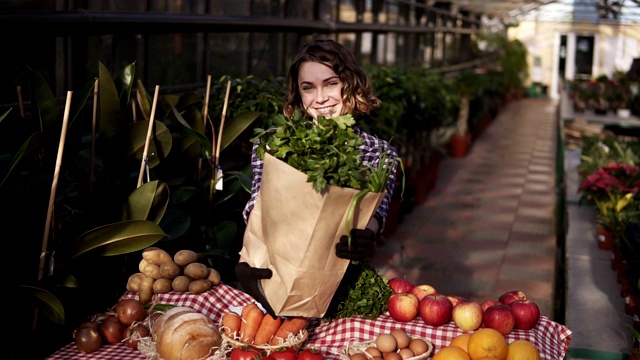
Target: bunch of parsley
(327, 152)
(362, 292)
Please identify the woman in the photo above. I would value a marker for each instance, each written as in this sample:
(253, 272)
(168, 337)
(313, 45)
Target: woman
(325, 79)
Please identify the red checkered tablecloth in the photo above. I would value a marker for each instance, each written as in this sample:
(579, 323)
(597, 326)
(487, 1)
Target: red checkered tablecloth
(552, 339)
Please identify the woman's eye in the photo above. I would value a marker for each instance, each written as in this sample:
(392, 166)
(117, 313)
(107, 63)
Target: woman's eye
(333, 83)
(306, 88)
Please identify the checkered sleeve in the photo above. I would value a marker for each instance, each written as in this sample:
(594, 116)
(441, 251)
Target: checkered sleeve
(256, 166)
(372, 148)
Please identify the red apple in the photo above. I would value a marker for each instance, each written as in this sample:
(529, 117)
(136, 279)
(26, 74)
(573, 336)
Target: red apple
(526, 314)
(423, 290)
(403, 307)
(400, 286)
(511, 296)
(455, 299)
(467, 315)
(500, 318)
(488, 303)
(435, 309)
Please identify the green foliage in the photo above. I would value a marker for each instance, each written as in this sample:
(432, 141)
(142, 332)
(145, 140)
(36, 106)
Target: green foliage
(366, 297)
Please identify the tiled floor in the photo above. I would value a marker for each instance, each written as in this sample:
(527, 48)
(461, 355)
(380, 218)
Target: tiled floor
(488, 226)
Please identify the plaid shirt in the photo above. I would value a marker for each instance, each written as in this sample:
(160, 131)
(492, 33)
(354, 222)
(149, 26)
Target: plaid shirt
(371, 147)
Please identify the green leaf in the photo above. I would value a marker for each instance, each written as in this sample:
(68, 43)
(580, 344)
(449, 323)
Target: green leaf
(118, 238)
(143, 100)
(111, 120)
(51, 307)
(79, 100)
(148, 202)
(175, 223)
(5, 114)
(237, 126)
(35, 141)
(159, 146)
(46, 107)
(125, 79)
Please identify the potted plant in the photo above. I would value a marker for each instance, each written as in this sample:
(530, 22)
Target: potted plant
(612, 188)
(620, 94)
(634, 352)
(467, 85)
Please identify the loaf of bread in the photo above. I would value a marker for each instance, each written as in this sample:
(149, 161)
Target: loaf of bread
(185, 334)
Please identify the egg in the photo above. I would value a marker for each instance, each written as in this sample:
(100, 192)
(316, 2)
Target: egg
(418, 346)
(406, 353)
(358, 356)
(386, 343)
(402, 339)
(392, 356)
(372, 351)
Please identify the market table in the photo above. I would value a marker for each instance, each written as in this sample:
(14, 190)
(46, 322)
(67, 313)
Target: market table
(551, 338)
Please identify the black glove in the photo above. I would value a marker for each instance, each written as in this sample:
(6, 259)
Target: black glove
(362, 243)
(249, 277)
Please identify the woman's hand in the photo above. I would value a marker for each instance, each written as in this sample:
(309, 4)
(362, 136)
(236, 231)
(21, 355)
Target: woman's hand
(249, 277)
(362, 243)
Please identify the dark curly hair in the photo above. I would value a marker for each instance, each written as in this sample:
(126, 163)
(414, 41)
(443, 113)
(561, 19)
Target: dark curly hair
(357, 90)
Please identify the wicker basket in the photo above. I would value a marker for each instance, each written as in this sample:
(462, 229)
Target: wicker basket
(294, 341)
(347, 351)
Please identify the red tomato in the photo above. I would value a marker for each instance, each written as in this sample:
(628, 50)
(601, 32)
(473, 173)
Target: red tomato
(283, 353)
(310, 354)
(245, 353)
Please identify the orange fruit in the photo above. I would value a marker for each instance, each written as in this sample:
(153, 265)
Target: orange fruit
(460, 341)
(451, 353)
(522, 350)
(487, 342)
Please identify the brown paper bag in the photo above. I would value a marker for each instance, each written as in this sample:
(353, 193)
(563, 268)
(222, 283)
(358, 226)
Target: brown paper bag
(293, 231)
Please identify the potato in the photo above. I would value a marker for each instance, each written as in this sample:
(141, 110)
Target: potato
(146, 290)
(170, 269)
(214, 276)
(196, 271)
(134, 281)
(155, 256)
(185, 257)
(181, 283)
(149, 269)
(162, 285)
(199, 286)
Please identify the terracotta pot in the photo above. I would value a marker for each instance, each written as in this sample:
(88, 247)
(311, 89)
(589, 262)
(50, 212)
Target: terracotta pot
(460, 144)
(605, 238)
(631, 301)
(616, 258)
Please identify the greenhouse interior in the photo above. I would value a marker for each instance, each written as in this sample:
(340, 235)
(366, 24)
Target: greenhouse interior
(496, 144)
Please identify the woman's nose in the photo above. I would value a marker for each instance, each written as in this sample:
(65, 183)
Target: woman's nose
(321, 96)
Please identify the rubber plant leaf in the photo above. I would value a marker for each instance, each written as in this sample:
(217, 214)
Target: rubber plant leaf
(148, 202)
(175, 223)
(79, 99)
(125, 79)
(143, 100)
(51, 307)
(111, 121)
(34, 142)
(46, 107)
(236, 126)
(117, 238)
(159, 146)
(193, 136)
(5, 114)
(226, 233)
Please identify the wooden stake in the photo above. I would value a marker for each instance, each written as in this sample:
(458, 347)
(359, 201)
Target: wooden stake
(149, 134)
(93, 133)
(205, 114)
(224, 114)
(54, 186)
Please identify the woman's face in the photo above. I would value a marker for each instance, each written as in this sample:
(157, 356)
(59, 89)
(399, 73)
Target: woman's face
(320, 89)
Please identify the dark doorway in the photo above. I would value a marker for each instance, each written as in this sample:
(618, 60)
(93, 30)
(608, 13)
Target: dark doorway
(584, 55)
(562, 63)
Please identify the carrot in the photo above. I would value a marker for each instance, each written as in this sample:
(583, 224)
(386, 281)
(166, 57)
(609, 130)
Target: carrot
(267, 329)
(231, 323)
(250, 325)
(291, 325)
(244, 313)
